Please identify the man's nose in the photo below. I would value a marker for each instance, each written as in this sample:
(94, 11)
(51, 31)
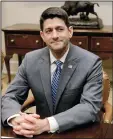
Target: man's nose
(55, 34)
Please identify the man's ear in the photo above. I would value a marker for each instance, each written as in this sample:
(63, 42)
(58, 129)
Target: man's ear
(42, 35)
(70, 32)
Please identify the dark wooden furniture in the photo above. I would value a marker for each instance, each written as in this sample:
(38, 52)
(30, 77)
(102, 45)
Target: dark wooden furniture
(95, 130)
(22, 38)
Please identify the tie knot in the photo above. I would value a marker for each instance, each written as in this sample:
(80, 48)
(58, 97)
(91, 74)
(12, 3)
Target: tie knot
(58, 63)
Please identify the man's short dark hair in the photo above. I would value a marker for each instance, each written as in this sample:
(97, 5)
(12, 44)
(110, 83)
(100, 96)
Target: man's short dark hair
(53, 12)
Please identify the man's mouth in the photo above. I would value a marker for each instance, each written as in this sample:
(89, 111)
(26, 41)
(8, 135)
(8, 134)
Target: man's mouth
(56, 42)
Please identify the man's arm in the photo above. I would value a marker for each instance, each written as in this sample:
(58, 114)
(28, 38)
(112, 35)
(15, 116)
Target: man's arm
(52, 123)
(90, 102)
(16, 94)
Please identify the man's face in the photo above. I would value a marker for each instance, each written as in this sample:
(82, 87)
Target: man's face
(56, 34)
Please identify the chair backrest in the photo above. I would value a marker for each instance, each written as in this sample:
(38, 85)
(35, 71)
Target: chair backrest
(106, 86)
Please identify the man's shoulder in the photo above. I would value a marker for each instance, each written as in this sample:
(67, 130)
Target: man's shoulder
(85, 54)
(37, 52)
(32, 58)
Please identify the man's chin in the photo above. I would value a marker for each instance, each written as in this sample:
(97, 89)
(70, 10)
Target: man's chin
(57, 49)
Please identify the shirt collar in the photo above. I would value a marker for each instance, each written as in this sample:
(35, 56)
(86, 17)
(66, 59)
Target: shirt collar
(62, 59)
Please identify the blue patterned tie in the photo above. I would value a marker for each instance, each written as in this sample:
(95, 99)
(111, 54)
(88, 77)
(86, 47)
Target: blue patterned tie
(55, 81)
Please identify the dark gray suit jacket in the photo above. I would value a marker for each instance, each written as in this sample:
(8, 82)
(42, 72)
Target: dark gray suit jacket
(79, 95)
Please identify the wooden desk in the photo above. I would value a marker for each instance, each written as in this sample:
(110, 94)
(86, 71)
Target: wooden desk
(22, 38)
(95, 130)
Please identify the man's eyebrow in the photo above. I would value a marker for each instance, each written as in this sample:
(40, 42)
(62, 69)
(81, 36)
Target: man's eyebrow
(48, 28)
(60, 27)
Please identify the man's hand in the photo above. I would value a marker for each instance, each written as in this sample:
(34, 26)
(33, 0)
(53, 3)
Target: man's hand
(21, 119)
(29, 125)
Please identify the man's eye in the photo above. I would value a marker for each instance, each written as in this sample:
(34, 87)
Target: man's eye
(48, 31)
(60, 29)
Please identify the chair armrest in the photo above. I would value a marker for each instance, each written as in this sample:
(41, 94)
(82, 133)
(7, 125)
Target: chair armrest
(106, 87)
(108, 115)
(107, 108)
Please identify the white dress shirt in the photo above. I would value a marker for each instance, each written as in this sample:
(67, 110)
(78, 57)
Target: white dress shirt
(52, 121)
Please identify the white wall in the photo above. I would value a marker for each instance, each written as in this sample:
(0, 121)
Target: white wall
(29, 12)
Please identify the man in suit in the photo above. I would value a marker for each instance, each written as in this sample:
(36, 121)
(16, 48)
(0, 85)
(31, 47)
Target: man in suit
(66, 82)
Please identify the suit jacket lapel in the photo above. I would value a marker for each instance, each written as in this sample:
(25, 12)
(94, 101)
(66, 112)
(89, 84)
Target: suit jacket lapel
(69, 67)
(46, 77)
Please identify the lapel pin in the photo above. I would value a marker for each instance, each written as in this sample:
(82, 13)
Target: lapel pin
(70, 66)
